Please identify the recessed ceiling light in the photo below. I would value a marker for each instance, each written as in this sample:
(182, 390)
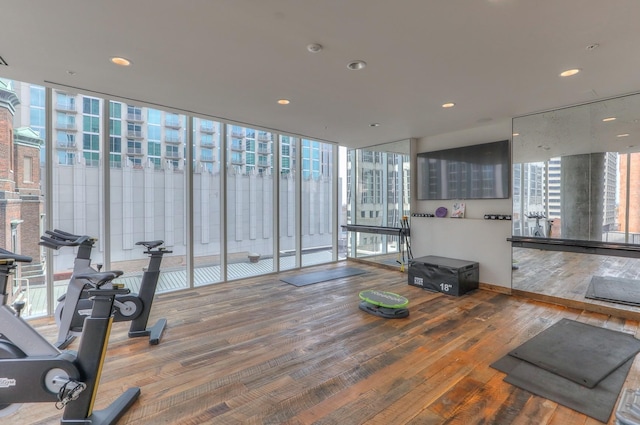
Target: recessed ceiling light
(609, 119)
(120, 61)
(448, 105)
(356, 65)
(284, 101)
(569, 72)
(623, 135)
(314, 47)
(375, 124)
(515, 134)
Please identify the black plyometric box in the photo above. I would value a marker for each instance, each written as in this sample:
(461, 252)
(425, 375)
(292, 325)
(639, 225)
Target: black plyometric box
(446, 275)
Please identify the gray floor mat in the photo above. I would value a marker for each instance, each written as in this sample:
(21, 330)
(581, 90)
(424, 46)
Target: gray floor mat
(614, 289)
(322, 276)
(579, 352)
(597, 402)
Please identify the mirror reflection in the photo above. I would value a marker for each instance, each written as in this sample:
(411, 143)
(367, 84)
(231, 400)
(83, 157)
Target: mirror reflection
(576, 172)
(377, 197)
(576, 205)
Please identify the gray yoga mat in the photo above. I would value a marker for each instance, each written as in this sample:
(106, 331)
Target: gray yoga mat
(597, 402)
(582, 353)
(614, 289)
(322, 276)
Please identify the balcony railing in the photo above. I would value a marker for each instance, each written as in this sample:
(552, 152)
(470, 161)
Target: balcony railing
(135, 117)
(134, 151)
(206, 142)
(66, 106)
(172, 155)
(264, 151)
(173, 123)
(264, 137)
(207, 158)
(237, 135)
(207, 129)
(172, 139)
(66, 126)
(136, 134)
(66, 144)
(236, 147)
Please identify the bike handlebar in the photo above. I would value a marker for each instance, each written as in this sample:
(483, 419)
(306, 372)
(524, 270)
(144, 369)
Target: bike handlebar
(535, 215)
(58, 238)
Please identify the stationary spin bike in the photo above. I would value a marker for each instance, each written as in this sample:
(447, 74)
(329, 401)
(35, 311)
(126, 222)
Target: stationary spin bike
(131, 307)
(32, 370)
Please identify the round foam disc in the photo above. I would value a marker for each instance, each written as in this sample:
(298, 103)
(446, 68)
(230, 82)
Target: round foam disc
(387, 313)
(383, 299)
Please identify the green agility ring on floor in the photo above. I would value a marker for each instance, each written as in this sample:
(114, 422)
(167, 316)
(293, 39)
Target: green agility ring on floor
(384, 304)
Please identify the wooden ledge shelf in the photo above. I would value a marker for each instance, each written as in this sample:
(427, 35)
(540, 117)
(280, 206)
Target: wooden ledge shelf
(575, 245)
(403, 231)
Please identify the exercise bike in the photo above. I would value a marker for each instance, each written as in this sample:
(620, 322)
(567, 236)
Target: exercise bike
(538, 230)
(131, 307)
(32, 370)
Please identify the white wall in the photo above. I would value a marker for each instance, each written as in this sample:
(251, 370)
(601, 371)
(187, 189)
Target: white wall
(472, 238)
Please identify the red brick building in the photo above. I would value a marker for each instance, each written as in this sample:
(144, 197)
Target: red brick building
(632, 163)
(21, 203)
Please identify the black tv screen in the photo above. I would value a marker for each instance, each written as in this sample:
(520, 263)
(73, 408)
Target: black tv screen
(470, 172)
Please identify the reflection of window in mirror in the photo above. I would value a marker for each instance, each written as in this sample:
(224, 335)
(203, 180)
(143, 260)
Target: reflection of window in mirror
(377, 188)
(576, 172)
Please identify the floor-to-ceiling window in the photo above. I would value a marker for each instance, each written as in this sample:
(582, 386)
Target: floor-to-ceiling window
(207, 201)
(147, 194)
(21, 197)
(288, 190)
(250, 206)
(119, 175)
(317, 221)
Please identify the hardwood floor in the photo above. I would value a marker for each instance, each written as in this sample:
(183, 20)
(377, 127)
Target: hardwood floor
(563, 277)
(260, 351)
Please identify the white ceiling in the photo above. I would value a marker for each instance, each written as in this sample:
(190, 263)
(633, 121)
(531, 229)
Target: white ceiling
(234, 59)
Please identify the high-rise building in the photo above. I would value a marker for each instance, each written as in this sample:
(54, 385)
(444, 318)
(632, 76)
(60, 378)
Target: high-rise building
(538, 188)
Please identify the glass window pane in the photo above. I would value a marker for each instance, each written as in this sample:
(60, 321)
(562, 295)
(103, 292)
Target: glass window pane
(148, 203)
(288, 197)
(317, 203)
(23, 217)
(77, 192)
(249, 207)
(206, 201)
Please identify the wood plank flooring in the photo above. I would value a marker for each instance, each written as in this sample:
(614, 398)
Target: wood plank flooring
(563, 277)
(260, 351)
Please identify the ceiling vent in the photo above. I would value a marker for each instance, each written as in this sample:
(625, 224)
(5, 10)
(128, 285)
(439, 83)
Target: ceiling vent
(3, 62)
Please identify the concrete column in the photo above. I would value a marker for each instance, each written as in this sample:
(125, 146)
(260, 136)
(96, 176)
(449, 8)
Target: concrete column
(582, 196)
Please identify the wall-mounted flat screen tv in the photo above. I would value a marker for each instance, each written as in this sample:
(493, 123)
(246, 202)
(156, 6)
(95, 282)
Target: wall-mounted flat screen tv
(470, 172)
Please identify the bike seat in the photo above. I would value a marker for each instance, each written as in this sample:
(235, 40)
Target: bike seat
(150, 244)
(8, 255)
(100, 278)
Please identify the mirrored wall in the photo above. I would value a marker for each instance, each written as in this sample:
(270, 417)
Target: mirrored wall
(576, 182)
(377, 194)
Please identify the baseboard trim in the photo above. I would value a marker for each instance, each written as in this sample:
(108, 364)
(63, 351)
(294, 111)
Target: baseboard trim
(579, 305)
(495, 288)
